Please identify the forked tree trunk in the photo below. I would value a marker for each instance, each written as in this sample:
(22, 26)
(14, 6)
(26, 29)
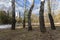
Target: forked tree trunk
(50, 16)
(29, 17)
(41, 18)
(13, 15)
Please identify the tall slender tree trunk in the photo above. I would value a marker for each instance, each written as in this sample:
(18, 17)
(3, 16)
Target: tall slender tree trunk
(8, 12)
(29, 17)
(24, 21)
(13, 15)
(24, 14)
(19, 15)
(41, 18)
(50, 16)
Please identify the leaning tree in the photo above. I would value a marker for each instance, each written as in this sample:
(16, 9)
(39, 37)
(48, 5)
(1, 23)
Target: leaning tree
(29, 17)
(50, 16)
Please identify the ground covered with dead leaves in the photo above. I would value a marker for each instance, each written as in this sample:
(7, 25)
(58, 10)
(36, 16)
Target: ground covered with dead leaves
(35, 34)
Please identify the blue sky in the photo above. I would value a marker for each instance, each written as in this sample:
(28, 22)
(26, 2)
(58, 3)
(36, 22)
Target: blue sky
(20, 5)
(6, 4)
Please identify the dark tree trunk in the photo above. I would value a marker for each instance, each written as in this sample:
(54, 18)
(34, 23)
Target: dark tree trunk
(41, 18)
(50, 16)
(13, 15)
(19, 14)
(51, 22)
(29, 23)
(24, 19)
(24, 14)
(24, 22)
(29, 18)
(8, 13)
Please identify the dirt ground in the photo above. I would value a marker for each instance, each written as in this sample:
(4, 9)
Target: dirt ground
(35, 34)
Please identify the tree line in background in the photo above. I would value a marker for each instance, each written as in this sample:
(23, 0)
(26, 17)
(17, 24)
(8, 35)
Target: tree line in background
(29, 17)
(5, 18)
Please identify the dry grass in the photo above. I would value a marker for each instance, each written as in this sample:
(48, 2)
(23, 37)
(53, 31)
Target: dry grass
(35, 34)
